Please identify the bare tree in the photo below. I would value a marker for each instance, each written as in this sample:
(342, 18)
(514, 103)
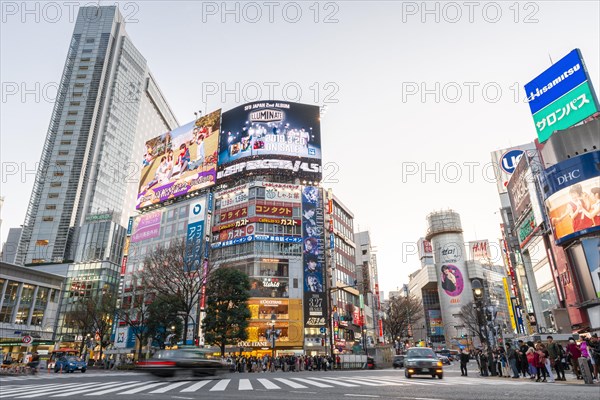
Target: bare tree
(401, 315)
(134, 311)
(468, 316)
(176, 270)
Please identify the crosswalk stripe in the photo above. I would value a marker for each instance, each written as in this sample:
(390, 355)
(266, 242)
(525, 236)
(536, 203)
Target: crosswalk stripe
(221, 385)
(33, 389)
(36, 392)
(142, 388)
(18, 388)
(291, 383)
(317, 384)
(366, 383)
(382, 382)
(268, 384)
(83, 390)
(195, 386)
(245, 385)
(336, 382)
(169, 387)
(117, 388)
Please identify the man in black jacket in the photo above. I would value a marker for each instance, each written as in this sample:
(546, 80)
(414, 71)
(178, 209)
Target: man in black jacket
(464, 360)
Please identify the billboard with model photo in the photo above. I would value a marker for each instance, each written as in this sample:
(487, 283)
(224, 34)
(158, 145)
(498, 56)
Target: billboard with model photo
(180, 161)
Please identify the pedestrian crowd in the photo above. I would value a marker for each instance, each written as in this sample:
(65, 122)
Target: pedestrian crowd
(288, 363)
(542, 362)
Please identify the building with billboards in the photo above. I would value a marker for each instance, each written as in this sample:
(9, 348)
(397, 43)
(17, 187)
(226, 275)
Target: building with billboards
(571, 192)
(368, 282)
(269, 222)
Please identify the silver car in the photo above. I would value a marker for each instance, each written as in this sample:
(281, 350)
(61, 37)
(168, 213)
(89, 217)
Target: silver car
(422, 361)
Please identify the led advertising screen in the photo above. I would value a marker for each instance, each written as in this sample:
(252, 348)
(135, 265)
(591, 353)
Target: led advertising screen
(270, 135)
(573, 196)
(180, 161)
(313, 257)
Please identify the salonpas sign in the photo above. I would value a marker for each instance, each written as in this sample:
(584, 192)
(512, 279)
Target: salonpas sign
(565, 112)
(561, 96)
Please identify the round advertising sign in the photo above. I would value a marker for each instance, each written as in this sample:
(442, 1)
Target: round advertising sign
(27, 339)
(452, 280)
(510, 159)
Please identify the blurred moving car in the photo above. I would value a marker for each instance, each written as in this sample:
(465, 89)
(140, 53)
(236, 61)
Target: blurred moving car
(398, 361)
(445, 360)
(70, 364)
(422, 361)
(370, 362)
(168, 363)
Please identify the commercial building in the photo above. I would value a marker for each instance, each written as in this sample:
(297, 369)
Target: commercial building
(344, 289)
(29, 305)
(107, 104)
(368, 282)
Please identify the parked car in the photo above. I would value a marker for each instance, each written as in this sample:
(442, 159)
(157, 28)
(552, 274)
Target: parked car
(422, 361)
(168, 363)
(398, 361)
(70, 364)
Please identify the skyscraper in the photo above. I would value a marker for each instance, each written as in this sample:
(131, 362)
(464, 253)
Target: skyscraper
(108, 105)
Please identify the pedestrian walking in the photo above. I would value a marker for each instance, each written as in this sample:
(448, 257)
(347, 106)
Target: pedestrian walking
(574, 352)
(555, 356)
(464, 360)
(511, 355)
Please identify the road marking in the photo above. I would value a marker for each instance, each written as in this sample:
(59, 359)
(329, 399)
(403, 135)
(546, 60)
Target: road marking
(37, 393)
(169, 387)
(117, 388)
(245, 384)
(335, 382)
(317, 384)
(268, 384)
(360, 395)
(139, 389)
(383, 382)
(19, 388)
(221, 385)
(292, 384)
(195, 386)
(366, 383)
(179, 397)
(87, 389)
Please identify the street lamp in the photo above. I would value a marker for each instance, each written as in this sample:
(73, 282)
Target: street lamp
(478, 297)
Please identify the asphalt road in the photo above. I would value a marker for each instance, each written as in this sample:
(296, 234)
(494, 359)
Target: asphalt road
(378, 384)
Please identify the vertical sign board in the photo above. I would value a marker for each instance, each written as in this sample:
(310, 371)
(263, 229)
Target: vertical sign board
(513, 322)
(195, 234)
(561, 96)
(313, 220)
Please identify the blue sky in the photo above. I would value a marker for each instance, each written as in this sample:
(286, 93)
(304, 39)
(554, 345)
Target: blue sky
(370, 64)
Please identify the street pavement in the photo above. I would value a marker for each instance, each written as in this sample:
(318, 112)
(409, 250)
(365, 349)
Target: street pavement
(380, 384)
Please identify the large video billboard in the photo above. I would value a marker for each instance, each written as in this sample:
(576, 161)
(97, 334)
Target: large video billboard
(573, 196)
(180, 161)
(315, 302)
(271, 135)
(561, 96)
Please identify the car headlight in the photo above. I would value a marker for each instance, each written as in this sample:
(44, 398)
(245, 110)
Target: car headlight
(439, 363)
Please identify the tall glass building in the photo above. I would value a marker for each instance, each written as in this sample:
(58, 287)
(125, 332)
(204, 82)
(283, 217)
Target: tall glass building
(108, 105)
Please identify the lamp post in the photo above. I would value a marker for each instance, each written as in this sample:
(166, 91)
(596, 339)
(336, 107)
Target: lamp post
(478, 296)
(272, 334)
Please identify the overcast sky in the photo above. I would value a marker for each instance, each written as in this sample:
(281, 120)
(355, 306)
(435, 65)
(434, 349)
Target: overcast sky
(369, 62)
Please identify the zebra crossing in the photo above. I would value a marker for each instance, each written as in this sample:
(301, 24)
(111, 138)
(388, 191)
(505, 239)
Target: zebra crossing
(94, 389)
(52, 375)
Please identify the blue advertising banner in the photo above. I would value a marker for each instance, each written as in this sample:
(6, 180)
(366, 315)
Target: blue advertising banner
(571, 171)
(562, 77)
(195, 234)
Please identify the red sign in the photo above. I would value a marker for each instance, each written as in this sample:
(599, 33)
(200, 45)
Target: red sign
(27, 339)
(234, 214)
(123, 265)
(282, 211)
(235, 233)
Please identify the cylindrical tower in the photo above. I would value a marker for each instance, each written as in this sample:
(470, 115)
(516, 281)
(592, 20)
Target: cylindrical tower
(444, 231)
